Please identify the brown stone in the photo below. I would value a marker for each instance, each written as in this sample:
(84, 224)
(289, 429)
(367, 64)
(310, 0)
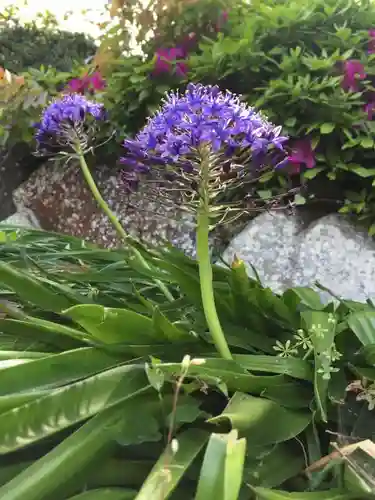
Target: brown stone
(60, 199)
(16, 165)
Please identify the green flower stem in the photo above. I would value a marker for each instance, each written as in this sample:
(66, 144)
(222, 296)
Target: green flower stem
(116, 224)
(98, 197)
(205, 268)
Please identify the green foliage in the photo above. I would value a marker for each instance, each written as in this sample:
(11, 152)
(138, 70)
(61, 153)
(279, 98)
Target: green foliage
(287, 58)
(120, 393)
(46, 58)
(22, 105)
(40, 43)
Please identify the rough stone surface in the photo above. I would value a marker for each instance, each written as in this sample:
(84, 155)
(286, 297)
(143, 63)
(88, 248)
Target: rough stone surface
(61, 201)
(331, 251)
(16, 164)
(24, 218)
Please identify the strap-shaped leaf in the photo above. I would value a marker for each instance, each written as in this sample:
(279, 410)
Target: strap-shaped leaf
(69, 405)
(222, 469)
(172, 465)
(51, 472)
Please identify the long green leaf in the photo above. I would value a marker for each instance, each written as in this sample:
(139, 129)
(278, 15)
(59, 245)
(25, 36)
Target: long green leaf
(69, 405)
(272, 467)
(22, 355)
(262, 421)
(43, 329)
(106, 494)
(172, 465)
(290, 394)
(114, 326)
(229, 372)
(211, 479)
(55, 370)
(9, 471)
(165, 329)
(48, 332)
(29, 289)
(294, 367)
(363, 325)
(125, 473)
(152, 415)
(234, 466)
(50, 473)
(15, 400)
(248, 340)
(334, 494)
(309, 297)
(221, 473)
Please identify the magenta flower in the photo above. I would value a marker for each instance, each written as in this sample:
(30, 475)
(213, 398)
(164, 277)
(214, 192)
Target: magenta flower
(97, 82)
(167, 58)
(91, 83)
(371, 43)
(302, 154)
(77, 85)
(353, 72)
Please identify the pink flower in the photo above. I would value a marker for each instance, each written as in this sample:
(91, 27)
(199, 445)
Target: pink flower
(302, 154)
(371, 43)
(89, 83)
(353, 72)
(165, 59)
(76, 85)
(97, 81)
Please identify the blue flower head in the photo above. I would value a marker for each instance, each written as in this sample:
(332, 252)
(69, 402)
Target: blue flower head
(203, 117)
(65, 120)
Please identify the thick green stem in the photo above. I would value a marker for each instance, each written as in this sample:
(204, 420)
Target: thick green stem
(99, 199)
(116, 224)
(205, 268)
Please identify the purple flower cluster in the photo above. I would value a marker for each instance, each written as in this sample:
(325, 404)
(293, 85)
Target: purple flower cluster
(202, 116)
(63, 115)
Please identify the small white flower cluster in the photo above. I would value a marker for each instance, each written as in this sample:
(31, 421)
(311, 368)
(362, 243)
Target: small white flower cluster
(303, 340)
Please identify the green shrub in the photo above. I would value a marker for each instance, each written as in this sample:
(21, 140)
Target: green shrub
(40, 43)
(47, 58)
(287, 57)
(21, 105)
